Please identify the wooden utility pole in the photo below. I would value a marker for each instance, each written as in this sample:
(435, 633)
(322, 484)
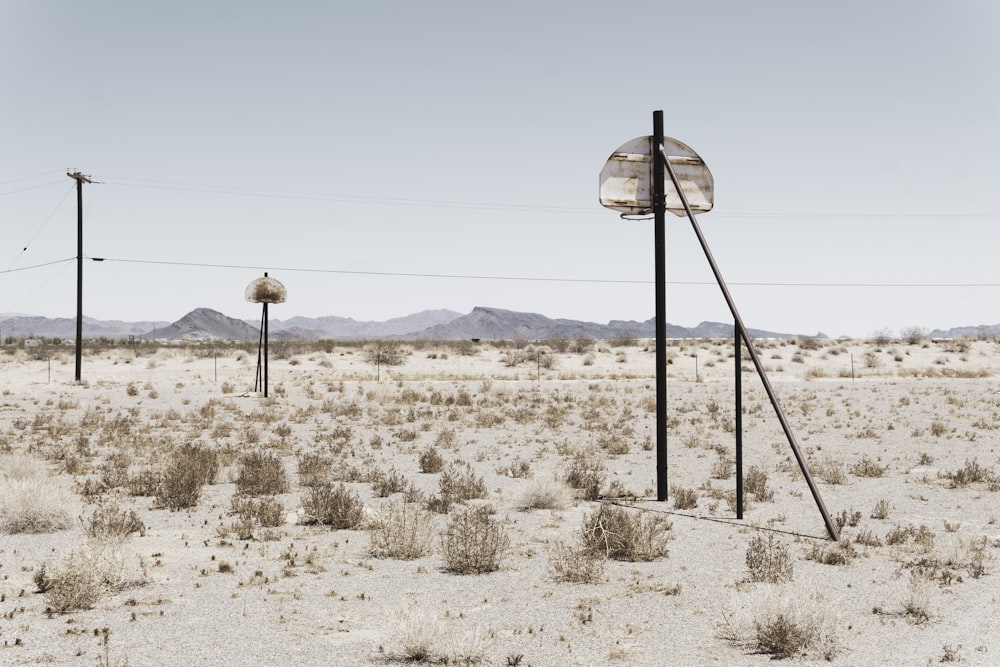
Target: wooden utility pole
(80, 180)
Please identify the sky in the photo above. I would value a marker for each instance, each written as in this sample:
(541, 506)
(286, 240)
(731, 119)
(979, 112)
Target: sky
(384, 158)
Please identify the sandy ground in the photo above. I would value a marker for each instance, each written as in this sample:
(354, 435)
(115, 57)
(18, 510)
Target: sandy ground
(309, 595)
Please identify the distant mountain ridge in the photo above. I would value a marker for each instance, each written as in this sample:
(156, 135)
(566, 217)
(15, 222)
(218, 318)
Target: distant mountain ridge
(482, 322)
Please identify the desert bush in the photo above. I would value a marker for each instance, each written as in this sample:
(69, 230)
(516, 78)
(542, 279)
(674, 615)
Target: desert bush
(847, 518)
(769, 560)
(426, 638)
(459, 484)
(266, 511)
(913, 335)
(32, 501)
(99, 565)
(430, 460)
(755, 482)
(970, 473)
(576, 564)
(314, 469)
(620, 535)
(684, 499)
(624, 339)
(831, 471)
(384, 353)
(867, 468)
(384, 484)
(109, 520)
(839, 553)
(546, 494)
(474, 542)
(401, 530)
(586, 475)
(784, 625)
(261, 473)
(920, 536)
(337, 507)
(188, 468)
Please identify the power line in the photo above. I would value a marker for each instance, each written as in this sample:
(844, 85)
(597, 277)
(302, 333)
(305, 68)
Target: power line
(507, 206)
(30, 187)
(37, 266)
(28, 178)
(460, 276)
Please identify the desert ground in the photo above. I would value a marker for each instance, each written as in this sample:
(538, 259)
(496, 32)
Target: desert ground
(495, 504)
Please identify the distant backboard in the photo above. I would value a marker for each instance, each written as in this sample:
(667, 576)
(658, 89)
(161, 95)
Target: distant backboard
(627, 177)
(266, 290)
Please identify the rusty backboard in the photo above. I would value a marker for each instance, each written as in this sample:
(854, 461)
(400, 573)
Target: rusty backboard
(627, 177)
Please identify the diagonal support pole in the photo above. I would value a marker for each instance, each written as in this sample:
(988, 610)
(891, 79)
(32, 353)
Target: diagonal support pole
(660, 155)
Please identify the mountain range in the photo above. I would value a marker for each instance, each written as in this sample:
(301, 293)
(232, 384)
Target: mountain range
(482, 322)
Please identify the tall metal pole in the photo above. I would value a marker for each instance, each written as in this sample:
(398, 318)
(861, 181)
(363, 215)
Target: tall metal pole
(265, 348)
(752, 351)
(80, 180)
(659, 223)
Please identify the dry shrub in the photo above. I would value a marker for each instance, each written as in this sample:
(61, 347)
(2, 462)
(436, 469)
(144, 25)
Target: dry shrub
(458, 484)
(474, 542)
(98, 566)
(684, 499)
(621, 535)
(867, 468)
(32, 501)
(546, 494)
(838, 553)
(576, 564)
(755, 482)
(425, 637)
(188, 469)
(110, 521)
(401, 530)
(784, 623)
(314, 469)
(430, 460)
(831, 471)
(970, 473)
(384, 484)
(769, 560)
(266, 511)
(337, 507)
(261, 474)
(586, 475)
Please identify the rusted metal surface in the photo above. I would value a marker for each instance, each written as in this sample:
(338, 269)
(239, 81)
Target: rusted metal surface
(627, 179)
(266, 290)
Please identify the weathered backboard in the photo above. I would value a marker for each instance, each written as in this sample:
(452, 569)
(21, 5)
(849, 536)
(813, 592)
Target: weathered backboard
(266, 290)
(627, 177)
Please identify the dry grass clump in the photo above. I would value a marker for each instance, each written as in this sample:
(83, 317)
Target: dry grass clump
(458, 484)
(261, 474)
(769, 560)
(188, 468)
(401, 530)
(250, 512)
(98, 566)
(474, 542)
(755, 483)
(337, 507)
(684, 498)
(867, 468)
(576, 564)
(546, 494)
(111, 521)
(784, 624)
(586, 475)
(31, 500)
(622, 535)
(838, 553)
(424, 637)
(970, 473)
(314, 469)
(831, 471)
(430, 460)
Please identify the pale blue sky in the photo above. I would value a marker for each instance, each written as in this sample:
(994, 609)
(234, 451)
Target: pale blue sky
(851, 143)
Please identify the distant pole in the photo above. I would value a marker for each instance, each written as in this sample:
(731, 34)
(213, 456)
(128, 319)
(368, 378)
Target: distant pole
(659, 223)
(80, 180)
